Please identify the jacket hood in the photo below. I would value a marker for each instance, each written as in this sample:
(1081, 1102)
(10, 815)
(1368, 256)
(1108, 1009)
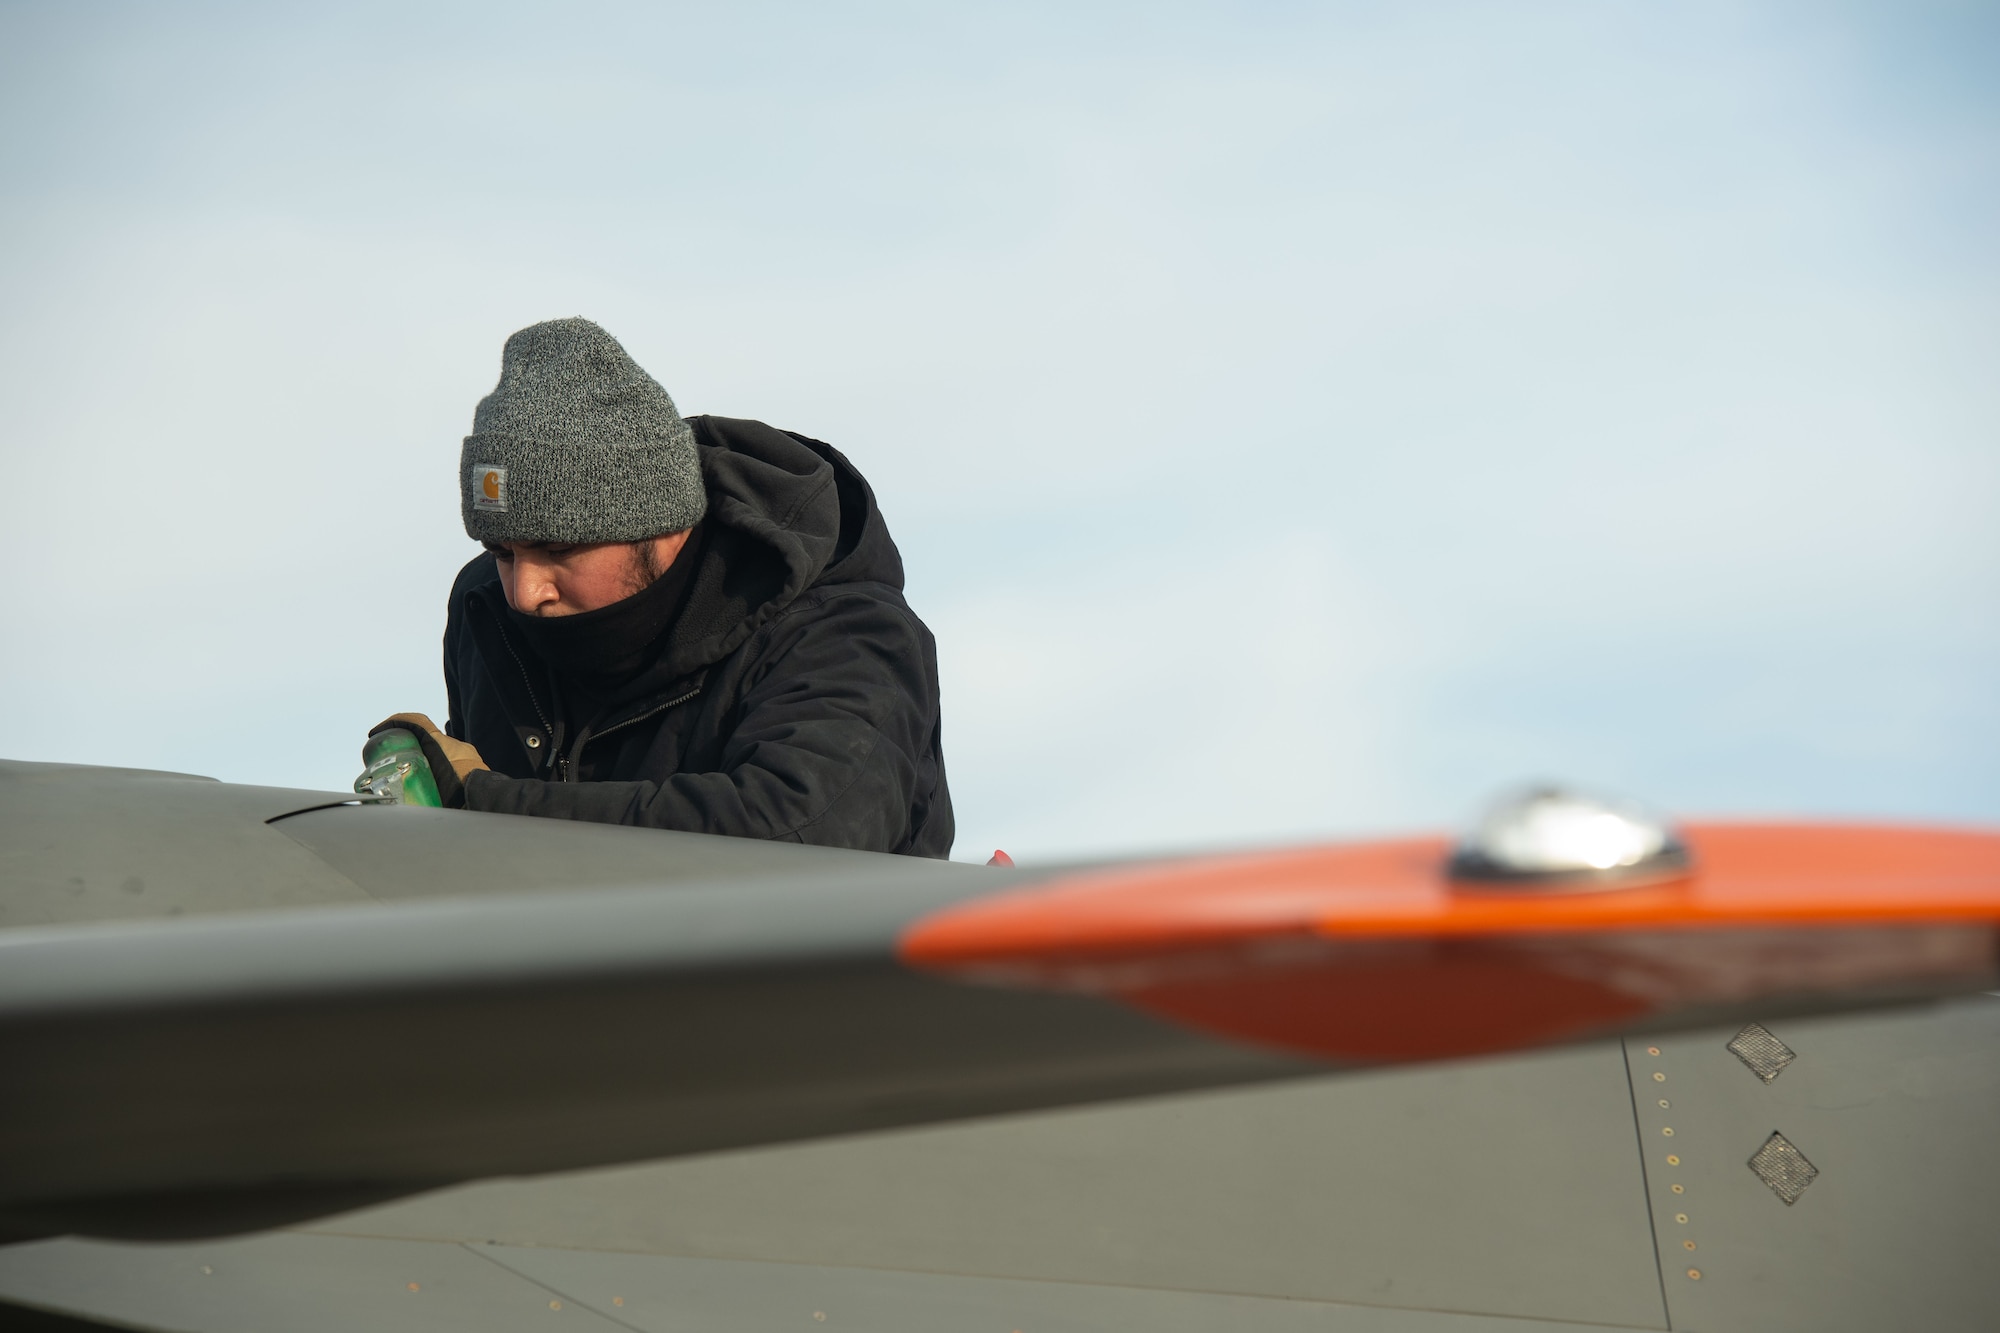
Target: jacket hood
(786, 513)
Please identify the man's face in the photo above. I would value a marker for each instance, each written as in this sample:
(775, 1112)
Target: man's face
(551, 579)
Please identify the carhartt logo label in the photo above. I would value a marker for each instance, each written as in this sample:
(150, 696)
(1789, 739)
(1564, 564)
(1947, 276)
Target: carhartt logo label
(489, 488)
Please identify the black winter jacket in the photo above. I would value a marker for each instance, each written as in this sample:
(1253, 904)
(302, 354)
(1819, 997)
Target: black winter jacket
(795, 697)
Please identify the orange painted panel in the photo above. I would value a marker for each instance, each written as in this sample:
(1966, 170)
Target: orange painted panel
(1367, 952)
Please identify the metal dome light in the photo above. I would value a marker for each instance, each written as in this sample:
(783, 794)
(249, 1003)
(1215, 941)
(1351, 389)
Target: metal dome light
(1555, 838)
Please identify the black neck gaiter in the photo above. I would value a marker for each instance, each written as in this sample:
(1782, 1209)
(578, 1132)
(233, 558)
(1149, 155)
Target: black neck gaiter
(603, 649)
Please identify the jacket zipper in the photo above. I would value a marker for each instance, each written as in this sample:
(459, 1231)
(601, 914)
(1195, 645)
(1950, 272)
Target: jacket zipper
(587, 736)
(533, 698)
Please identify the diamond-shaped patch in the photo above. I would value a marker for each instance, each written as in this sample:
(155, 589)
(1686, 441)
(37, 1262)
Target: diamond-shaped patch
(1757, 1047)
(1784, 1168)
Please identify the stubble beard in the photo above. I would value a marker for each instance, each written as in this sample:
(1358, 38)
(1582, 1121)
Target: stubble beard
(641, 572)
(644, 570)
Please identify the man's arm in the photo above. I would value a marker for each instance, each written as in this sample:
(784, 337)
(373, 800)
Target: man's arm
(477, 570)
(829, 748)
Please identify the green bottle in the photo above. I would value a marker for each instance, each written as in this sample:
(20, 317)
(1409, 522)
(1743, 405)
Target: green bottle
(394, 770)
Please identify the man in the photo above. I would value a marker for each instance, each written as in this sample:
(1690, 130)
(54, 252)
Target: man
(678, 624)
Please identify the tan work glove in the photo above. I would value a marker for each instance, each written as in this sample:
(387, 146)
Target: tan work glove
(451, 761)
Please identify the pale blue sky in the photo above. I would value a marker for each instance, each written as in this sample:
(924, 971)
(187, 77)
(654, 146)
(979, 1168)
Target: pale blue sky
(1298, 420)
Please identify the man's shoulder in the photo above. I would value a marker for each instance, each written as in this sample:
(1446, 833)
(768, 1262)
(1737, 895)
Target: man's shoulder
(847, 612)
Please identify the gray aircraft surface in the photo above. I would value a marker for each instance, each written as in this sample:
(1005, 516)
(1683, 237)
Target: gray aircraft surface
(280, 1060)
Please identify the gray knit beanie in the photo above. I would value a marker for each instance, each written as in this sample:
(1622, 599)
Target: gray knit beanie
(577, 444)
